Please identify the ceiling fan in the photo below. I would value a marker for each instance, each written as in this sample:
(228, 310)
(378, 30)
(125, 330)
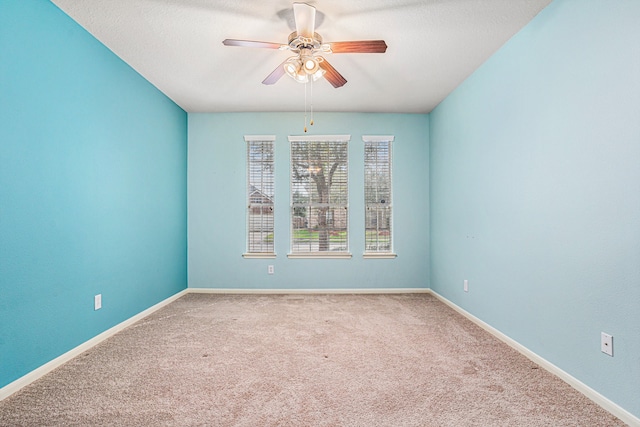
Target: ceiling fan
(307, 45)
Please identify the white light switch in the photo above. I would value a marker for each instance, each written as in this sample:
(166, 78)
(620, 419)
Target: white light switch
(466, 285)
(97, 302)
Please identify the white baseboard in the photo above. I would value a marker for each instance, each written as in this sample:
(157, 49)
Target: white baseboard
(596, 397)
(307, 291)
(38, 373)
(599, 399)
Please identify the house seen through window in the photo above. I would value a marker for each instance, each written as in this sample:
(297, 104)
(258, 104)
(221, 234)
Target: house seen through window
(260, 196)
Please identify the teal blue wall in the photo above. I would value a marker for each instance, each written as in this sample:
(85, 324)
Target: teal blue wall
(92, 188)
(535, 192)
(217, 203)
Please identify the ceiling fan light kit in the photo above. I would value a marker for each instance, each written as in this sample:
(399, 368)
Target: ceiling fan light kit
(301, 67)
(307, 64)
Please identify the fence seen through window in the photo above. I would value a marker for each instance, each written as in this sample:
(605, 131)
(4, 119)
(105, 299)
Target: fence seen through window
(378, 194)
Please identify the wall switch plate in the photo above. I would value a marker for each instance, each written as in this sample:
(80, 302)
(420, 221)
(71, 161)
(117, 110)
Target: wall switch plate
(270, 269)
(606, 344)
(97, 302)
(466, 286)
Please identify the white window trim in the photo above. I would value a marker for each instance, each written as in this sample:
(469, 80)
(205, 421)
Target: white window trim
(376, 255)
(258, 255)
(377, 138)
(320, 138)
(266, 138)
(380, 255)
(319, 255)
(261, 255)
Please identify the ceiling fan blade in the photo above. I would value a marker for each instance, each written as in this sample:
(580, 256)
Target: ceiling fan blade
(251, 43)
(305, 17)
(331, 74)
(275, 74)
(362, 46)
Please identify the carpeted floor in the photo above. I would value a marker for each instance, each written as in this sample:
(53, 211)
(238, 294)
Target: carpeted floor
(302, 360)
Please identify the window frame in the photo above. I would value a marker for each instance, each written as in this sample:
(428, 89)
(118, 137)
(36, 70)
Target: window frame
(379, 254)
(249, 139)
(342, 254)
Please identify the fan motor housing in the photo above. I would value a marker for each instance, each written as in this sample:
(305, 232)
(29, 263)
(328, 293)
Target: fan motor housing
(297, 42)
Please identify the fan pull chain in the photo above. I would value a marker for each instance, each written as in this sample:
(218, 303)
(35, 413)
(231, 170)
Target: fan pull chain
(305, 107)
(311, 122)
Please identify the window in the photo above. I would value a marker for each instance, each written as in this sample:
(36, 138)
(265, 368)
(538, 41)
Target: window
(319, 196)
(260, 196)
(377, 196)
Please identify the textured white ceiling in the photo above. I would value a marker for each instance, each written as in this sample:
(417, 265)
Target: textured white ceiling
(433, 45)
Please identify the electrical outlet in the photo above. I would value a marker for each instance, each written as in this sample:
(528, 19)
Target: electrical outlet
(466, 286)
(606, 343)
(270, 269)
(97, 302)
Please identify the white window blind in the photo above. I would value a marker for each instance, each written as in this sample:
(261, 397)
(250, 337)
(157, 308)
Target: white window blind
(260, 196)
(319, 196)
(378, 196)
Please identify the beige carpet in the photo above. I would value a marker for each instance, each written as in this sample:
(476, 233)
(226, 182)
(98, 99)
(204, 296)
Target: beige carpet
(302, 360)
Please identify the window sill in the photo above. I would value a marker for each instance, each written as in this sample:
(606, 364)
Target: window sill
(374, 255)
(259, 255)
(319, 255)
